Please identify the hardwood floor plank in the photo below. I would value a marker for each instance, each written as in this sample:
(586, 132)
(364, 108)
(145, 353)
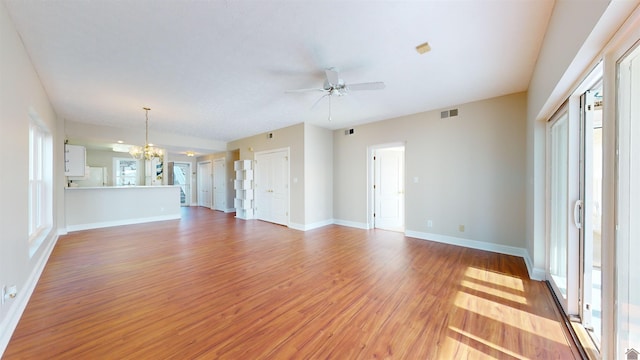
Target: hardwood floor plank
(210, 286)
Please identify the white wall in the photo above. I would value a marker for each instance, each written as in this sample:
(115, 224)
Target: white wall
(470, 170)
(576, 35)
(318, 172)
(90, 208)
(20, 93)
(293, 138)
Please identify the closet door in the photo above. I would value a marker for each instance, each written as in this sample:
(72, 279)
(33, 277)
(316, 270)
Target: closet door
(272, 186)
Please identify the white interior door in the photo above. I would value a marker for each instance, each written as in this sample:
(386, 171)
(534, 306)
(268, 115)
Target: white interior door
(219, 185)
(280, 187)
(389, 195)
(272, 186)
(205, 184)
(262, 188)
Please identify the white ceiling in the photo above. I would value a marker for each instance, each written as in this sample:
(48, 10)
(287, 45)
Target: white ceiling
(220, 69)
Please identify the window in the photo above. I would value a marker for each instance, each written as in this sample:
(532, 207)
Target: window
(125, 171)
(40, 183)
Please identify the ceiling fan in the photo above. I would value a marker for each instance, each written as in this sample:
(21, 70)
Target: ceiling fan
(335, 86)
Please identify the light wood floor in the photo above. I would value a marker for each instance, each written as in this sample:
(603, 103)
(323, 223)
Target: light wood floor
(209, 286)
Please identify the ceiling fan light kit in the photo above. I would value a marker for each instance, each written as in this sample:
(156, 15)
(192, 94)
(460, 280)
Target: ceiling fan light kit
(335, 86)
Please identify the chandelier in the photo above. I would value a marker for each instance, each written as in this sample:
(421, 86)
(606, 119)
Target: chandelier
(148, 152)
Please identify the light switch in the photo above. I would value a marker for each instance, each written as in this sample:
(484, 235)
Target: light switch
(415, 179)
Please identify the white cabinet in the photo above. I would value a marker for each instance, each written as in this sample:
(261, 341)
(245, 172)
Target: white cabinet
(244, 189)
(75, 157)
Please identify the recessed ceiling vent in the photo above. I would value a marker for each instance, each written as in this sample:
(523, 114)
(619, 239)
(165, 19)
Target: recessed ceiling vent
(349, 132)
(448, 113)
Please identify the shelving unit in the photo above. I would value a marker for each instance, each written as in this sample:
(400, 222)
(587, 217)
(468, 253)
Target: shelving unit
(243, 185)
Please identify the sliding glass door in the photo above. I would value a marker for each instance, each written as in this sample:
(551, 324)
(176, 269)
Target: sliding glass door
(559, 200)
(628, 205)
(591, 105)
(564, 207)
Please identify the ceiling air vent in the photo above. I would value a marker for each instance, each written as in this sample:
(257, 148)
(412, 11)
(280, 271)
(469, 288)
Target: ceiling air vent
(349, 132)
(448, 113)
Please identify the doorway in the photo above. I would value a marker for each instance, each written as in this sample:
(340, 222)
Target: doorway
(204, 184)
(219, 185)
(574, 211)
(182, 177)
(387, 191)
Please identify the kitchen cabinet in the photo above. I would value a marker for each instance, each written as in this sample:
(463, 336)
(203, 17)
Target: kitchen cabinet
(75, 160)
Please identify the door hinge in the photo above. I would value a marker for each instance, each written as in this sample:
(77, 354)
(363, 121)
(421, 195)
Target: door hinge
(374, 158)
(374, 186)
(374, 214)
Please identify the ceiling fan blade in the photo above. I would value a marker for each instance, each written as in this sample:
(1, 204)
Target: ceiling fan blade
(304, 90)
(366, 86)
(321, 97)
(332, 76)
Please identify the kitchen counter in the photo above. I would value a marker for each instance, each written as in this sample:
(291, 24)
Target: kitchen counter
(97, 207)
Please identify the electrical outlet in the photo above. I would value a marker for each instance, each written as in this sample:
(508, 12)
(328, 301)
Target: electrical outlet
(429, 223)
(11, 292)
(461, 228)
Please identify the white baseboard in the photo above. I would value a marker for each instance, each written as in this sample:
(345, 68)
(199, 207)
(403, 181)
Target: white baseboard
(352, 224)
(537, 274)
(481, 245)
(230, 210)
(104, 224)
(312, 226)
(19, 303)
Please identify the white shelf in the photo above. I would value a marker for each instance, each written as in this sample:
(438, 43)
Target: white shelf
(242, 165)
(243, 185)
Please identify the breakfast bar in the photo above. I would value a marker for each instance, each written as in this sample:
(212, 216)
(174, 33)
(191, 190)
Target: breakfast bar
(104, 206)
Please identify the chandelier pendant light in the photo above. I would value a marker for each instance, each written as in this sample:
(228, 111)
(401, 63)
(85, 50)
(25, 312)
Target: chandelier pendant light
(147, 152)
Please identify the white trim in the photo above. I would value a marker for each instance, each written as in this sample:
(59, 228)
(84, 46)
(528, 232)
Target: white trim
(229, 210)
(352, 224)
(370, 178)
(255, 174)
(535, 274)
(199, 185)
(10, 321)
(312, 226)
(104, 224)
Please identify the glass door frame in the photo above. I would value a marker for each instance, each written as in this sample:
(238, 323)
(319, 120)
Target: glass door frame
(569, 299)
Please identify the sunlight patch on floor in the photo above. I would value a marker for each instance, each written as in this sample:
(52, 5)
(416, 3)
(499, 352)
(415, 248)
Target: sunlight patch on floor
(494, 292)
(510, 281)
(472, 353)
(538, 325)
(454, 349)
